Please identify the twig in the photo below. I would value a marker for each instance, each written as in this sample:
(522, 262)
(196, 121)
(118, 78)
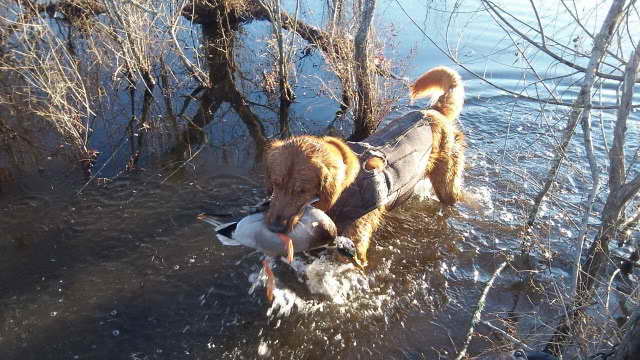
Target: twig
(193, 69)
(542, 36)
(492, 7)
(479, 307)
(507, 335)
(613, 276)
(122, 142)
(631, 221)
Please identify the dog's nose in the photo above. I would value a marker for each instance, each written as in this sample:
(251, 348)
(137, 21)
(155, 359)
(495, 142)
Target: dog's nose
(278, 225)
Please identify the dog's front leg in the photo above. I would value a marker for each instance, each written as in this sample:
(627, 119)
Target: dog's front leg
(360, 232)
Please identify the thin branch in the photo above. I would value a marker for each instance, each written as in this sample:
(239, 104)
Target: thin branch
(506, 334)
(575, 18)
(493, 8)
(616, 155)
(535, 11)
(193, 69)
(491, 83)
(583, 106)
(479, 307)
(631, 221)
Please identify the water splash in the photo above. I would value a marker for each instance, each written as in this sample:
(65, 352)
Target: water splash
(339, 282)
(479, 199)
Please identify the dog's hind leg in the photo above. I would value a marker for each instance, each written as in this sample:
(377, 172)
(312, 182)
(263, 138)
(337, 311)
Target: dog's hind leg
(446, 173)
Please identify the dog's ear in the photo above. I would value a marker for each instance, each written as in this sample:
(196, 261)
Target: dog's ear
(273, 147)
(267, 181)
(329, 188)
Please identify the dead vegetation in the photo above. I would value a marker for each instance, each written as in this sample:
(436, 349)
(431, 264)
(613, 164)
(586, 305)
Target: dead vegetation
(67, 64)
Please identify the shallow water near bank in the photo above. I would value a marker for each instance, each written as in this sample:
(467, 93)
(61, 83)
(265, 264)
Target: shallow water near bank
(124, 270)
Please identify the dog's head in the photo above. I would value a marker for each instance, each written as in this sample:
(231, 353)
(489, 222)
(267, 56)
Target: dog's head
(298, 171)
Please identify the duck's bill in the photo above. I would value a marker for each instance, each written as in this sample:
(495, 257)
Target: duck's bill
(311, 202)
(347, 248)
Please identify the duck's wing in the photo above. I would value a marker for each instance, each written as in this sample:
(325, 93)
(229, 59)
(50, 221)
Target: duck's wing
(224, 233)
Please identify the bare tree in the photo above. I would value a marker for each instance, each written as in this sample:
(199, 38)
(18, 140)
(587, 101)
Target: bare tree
(608, 61)
(365, 115)
(581, 111)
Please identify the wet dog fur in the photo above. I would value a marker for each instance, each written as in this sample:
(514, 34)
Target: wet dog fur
(301, 168)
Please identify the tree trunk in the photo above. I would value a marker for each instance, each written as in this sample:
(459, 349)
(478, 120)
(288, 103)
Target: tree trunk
(365, 121)
(619, 192)
(629, 348)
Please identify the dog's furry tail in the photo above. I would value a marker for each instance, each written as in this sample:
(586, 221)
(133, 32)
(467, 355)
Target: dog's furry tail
(444, 81)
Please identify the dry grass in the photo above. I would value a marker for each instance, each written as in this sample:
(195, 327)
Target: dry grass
(65, 67)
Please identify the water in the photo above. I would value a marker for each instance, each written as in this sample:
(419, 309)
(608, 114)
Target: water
(125, 271)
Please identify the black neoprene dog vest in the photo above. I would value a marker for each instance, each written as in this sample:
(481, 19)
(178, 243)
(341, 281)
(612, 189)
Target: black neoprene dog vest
(405, 146)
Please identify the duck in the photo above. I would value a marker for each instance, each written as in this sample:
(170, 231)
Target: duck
(314, 230)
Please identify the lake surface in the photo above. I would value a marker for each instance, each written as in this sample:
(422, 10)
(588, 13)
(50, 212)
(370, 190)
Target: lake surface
(123, 270)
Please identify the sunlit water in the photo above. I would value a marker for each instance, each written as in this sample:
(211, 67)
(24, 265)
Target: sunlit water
(125, 271)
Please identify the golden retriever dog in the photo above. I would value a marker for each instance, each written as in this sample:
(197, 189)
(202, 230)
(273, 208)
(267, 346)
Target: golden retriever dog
(302, 168)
